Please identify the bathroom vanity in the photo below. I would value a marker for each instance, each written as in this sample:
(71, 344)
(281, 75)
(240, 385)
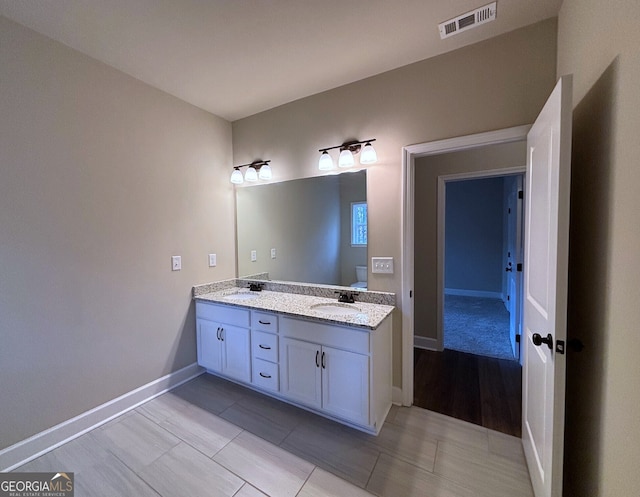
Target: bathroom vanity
(327, 357)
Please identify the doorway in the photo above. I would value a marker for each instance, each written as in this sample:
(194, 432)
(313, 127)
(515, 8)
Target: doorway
(490, 154)
(482, 273)
(473, 368)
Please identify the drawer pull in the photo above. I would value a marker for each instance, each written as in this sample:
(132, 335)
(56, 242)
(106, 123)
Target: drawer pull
(265, 347)
(265, 375)
(263, 322)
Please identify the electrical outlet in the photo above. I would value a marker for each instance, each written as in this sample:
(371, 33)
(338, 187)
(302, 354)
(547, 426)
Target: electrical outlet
(212, 260)
(254, 256)
(382, 265)
(273, 253)
(176, 263)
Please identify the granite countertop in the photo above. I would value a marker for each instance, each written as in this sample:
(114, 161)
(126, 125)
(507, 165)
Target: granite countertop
(369, 316)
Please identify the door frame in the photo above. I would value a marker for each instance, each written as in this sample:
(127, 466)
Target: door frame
(409, 155)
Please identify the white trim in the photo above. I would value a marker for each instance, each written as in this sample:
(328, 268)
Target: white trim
(396, 396)
(425, 343)
(26, 450)
(409, 155)
(461, 292)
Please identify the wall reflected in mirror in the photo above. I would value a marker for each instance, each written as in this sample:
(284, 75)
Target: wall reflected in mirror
(310, 230)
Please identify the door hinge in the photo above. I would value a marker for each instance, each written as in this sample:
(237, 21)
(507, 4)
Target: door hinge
(560, 346)
(508, 298)
(410, 293)
(519, 267)
(520, 194)
(517, 338)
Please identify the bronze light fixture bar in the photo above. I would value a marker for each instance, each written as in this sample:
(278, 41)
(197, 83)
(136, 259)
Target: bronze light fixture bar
(257, 169)
(347, 150)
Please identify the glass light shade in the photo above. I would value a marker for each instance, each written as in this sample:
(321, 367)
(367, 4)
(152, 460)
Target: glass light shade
(265, 172)
(236, 177)
(251, 174)
(326, 162)
(345, 159)
(368, 154)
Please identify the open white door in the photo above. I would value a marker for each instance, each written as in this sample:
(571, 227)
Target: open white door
(545, 290)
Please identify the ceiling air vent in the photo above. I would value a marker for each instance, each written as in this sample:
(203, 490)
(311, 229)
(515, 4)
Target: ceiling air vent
(468, 20)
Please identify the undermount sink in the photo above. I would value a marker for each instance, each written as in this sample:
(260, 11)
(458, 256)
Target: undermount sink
(241, 296)
(336, 309)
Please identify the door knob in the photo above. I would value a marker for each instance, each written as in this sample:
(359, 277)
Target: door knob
(539, 340)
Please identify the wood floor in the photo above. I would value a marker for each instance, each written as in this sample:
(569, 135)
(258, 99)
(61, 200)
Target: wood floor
(481, 390)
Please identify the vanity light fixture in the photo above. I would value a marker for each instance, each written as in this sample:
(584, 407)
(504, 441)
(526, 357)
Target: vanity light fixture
(258, 169)
(347, 151)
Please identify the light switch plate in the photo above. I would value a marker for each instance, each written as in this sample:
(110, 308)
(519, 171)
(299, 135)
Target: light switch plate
(212, 260)
(273, 253)
(382, 265)
(176, 263)
(254, 256)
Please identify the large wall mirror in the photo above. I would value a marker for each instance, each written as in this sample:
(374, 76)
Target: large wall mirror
(311, 230)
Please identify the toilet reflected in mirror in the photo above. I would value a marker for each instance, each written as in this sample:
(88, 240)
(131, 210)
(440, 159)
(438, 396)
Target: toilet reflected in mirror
(361, 275)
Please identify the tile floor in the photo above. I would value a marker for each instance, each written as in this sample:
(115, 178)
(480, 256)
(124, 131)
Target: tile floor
(212, 437)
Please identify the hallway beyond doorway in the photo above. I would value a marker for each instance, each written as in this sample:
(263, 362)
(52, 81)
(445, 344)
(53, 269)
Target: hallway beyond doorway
(481, 390)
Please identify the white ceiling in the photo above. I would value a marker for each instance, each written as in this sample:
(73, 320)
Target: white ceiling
(235, 58)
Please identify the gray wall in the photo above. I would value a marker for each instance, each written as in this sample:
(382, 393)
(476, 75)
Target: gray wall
(474, 235)
(598, 42)
(102, 180)
(427, 171)
(494, 84)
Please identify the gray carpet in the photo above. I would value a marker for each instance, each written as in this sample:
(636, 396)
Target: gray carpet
(477, 326)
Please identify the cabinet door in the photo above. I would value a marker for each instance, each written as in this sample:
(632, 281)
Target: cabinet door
(300, 373)
(236, 352)
(345, 384)
(209, 352)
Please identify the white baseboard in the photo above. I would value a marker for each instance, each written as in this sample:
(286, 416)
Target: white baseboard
(425, 343)
(26, 450)
(472, 293)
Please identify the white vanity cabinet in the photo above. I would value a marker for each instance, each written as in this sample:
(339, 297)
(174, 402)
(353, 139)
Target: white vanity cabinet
(224, 343)
(340, 371)
(334, 380)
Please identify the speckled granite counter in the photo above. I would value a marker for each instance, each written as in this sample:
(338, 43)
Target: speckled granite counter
(369, 315)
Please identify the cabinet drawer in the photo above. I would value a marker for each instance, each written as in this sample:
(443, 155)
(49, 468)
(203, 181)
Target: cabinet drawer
(223, 314)
(264, 321)
(265, 374)
(323, 334)
(264, 345)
